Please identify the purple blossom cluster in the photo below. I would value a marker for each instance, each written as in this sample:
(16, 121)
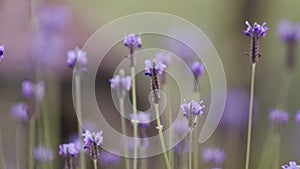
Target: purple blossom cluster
(92, 141)
(279, 116)
(258, 31)
(288, 32)
(1, 52)
(20, 113)
(191, 111)
(30, 90)
(197, 69)
(68, 150)
(214, 156)
(77, 56)
(120, 83)
(133, 41)
(158, 66)
(291, 165)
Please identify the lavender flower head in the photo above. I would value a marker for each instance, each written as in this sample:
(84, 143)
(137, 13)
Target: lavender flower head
(297, 117)
(19, 112)
(288, 32)
(142, 118)
(42, 154)
(158, 66)
(1, 52)
(279, 116)
(92, 141)
(78, 56)
(68, 150)
(108, 159)
(133, 41)
(120, 83)
(165, 58)
(291, 165)
(255, 33)
(191, 111)
(29, 89)
(197, 69)
(214, 156)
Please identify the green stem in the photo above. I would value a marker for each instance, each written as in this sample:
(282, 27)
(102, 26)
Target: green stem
(163, 146)
(195, 152)
(124, 132)
(134, 109)
(79, 117)
(142, 150)
(2, 160)
(250, 116)
(95, 164)
(190, 149)
(17, 148)
(31, 143)
(171, 152)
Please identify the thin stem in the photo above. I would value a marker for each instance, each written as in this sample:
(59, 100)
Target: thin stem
(31, 142)
(163, 146)
(79, 117)
(171, 152)
(142, 150)
(124, 132)
(195, 152)
(190, 149)
(250, 116)
(134, 109)
(2, 160)
(17, 148)
(95, 164)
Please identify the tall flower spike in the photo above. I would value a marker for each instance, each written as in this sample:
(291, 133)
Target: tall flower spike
(290, 35)
(255, 33)
(19, 112)
(133, 42)
(68, 151)
(198, 70)
(191, 111)
(78, 56)
(153, 69)
(1, 52)
(291, 165)
(120, 83)
(92, 142)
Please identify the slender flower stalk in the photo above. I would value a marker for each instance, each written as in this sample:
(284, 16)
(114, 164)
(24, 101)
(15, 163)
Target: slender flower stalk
(190, 148)
(133, 42)
(2, 160)
(255, 33)
(68, 151)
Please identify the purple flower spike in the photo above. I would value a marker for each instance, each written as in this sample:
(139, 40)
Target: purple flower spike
(258, 31)
(19, 112)
(92, 141)
(42, 154)
(214, 156)
(297, 117)
(279, 116)
(1, 52)
(133, 41)
(27, 89)
(79, 56)
(288, 32)
(142, 118)
(191, 111)
(68, 150)
(291, 165)
(197, 69)
(159, 67)
(108, 159)
(120, 83)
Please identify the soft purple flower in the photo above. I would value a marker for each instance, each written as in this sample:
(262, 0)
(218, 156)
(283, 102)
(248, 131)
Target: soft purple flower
(159, 67)
(133, 41)
(1, 52)
(197, 69)
(297, 117)
(279, 116)
(27, 89)
(258, 31)
(288, 32)
(92, 141)
(108, 159)
(193, 107)
(291, 165)
(214, 156)
(68, 150)
(39, 90)
(19, 112)
(79, 56)
(142, 118)
(42, 154)
(164, 58)
(120, 83)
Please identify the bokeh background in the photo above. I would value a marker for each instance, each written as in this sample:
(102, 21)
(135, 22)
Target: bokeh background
(40, 44)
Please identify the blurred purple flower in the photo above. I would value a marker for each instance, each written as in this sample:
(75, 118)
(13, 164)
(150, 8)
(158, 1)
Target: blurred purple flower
(142, 118)
(197, 69)
(279, 116)
(193, 107)
(108, 159)
(288, 32)
(214, 156)
(92, 141)
(133, 41)
(19, 112)
(258, 31)
(291, 165)
(1, 52)
(297, 117)
(158, 66)
(164, 58)
(68, 150)
(79, 56)
(120, 83)
(42, 154)
(29, 89)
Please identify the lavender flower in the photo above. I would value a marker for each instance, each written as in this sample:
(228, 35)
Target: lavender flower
(198, 70)
(133, 42)
(164, 58)
(290, 35)
(279, 116)
(297, 117)
(158, 66)
(255, 33)
(120, 83)
(142, 118)
(92, 142)
(214, 156)
(291, 165)
(191, 111)
(78, 56)
(108, 159)
(68, 150)
(29, 89)
(42, 154)
(19, 112)
(1, 52)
